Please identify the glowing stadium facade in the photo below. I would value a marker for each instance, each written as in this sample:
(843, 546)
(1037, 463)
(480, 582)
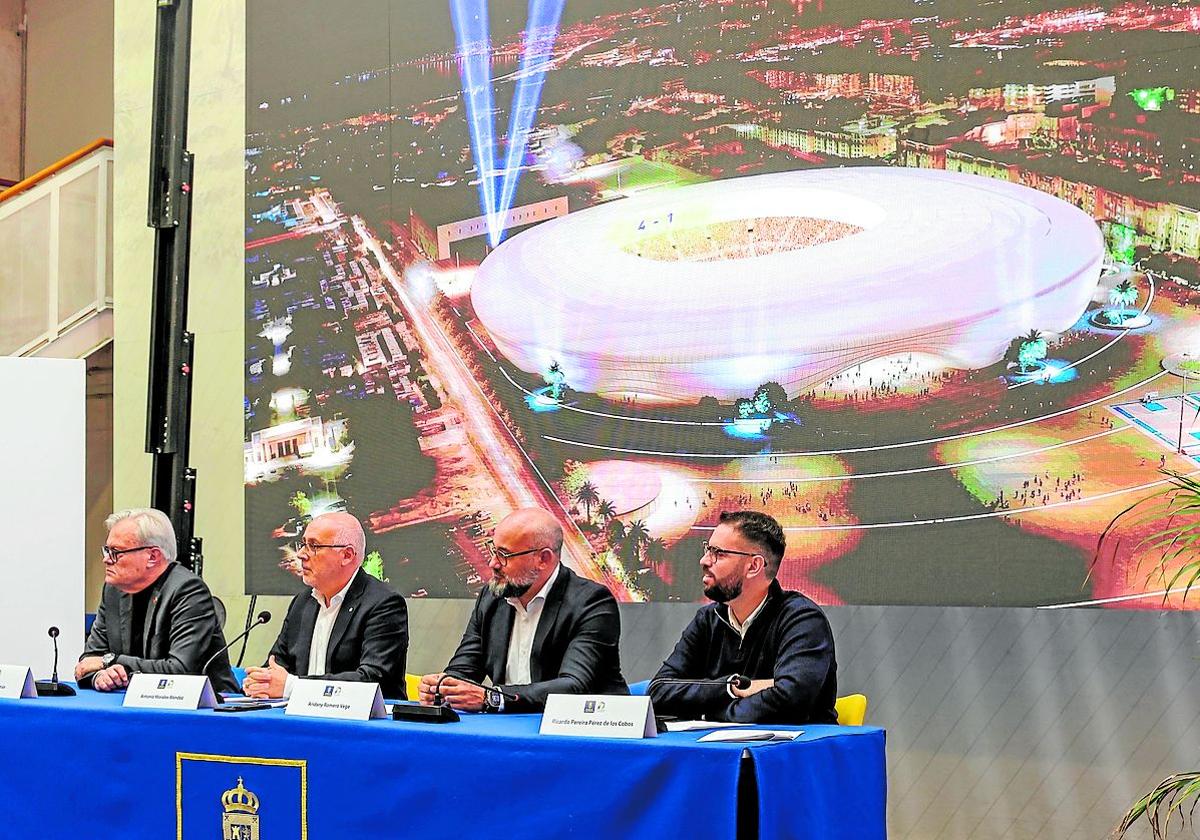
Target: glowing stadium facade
(714, 288)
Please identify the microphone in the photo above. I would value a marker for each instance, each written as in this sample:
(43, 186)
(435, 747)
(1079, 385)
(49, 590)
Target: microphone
(492, 693)
(52, 687)
(263, 618)
(732, 681)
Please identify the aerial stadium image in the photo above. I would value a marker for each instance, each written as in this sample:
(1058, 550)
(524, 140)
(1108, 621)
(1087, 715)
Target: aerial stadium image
(920, 279)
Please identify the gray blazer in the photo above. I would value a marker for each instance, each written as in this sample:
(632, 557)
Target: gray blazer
(180, 632)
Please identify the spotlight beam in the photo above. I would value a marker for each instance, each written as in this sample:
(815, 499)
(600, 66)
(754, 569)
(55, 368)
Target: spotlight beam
(541, 30)
(474, 45)
(472, 38)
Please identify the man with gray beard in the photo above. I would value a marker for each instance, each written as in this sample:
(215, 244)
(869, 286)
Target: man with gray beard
(537, 628)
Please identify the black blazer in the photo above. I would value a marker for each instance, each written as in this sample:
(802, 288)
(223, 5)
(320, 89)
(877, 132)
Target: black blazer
(369, 641)
(180, 632)
(576, 649)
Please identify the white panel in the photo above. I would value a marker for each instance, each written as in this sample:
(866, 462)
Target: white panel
(41, 511)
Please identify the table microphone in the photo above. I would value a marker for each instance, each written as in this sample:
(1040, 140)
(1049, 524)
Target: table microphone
(493, 693)
(52, 687)
(263, 618)
(732, 681)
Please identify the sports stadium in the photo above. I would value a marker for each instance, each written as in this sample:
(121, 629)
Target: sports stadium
(711, 289)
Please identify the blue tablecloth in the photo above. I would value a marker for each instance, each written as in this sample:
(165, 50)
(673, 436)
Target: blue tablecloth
(86, 767)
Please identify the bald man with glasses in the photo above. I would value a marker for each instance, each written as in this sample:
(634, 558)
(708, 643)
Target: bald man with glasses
(347, 627)
(755, 628)
(537, 628)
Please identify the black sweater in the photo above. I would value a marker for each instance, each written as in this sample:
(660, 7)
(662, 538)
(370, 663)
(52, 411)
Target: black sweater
(789, 641)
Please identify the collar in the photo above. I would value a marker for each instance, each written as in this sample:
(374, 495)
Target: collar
(768, 605)
(745, 625)
(541, 593)
(337, 599)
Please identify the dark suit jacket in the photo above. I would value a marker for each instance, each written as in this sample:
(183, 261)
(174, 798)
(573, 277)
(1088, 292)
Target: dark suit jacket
(180, 632)
(369, 642)
(576, 649)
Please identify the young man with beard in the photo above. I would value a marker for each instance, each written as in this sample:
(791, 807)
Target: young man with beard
(779, 639)
(537, 628)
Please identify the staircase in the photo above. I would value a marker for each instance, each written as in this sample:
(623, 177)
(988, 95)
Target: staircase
(56, 258)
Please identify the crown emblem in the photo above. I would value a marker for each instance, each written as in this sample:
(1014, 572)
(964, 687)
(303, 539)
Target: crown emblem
(238, 800)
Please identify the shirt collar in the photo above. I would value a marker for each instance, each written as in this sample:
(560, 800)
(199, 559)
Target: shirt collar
(337, 599)
(541, 593)
(745, 625)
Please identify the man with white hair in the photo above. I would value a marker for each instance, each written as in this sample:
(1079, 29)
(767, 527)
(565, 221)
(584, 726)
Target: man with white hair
(155, 616)
(349, 626)
(537, 628)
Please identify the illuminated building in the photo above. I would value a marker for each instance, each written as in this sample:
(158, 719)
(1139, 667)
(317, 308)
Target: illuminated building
(714, 288)
(1024, 97)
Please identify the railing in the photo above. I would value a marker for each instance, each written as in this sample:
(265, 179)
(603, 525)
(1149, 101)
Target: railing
(56, 242)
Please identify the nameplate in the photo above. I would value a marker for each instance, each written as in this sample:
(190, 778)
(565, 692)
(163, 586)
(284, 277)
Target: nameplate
(598, 716)
(16, 682)
(170, 691)
(338, 700)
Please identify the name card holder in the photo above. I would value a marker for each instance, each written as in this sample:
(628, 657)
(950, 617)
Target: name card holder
(337, 700)
(598, 716)
(16, 682)
(170, 691)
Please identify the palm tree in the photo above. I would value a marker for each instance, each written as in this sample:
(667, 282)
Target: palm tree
(606, 510)
(636, 537)
(656, 552)
(1123, 294)
(1175, 535)
(587, 495)
(615, 531)
(1032, 349)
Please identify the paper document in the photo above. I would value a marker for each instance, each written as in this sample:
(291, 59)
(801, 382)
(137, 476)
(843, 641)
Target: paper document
(697, 725)
(736, 736)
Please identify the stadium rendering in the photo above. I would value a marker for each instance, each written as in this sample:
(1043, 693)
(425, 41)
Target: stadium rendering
(791, 277)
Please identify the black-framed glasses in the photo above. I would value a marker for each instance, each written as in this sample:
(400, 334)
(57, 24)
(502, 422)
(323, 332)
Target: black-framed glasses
(112, 555)
(504, 556)
(312, 546)
(717, 553)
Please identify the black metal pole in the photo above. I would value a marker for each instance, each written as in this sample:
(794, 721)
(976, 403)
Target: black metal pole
(169, 398)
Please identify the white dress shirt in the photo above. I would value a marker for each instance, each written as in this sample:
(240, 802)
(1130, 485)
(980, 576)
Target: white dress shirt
(322, 629)
(525, 624)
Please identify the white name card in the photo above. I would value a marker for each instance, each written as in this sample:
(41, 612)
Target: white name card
(333, 699)
(598, 716)
(16, 682)
(170, 691)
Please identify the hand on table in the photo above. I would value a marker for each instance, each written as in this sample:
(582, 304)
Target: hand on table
(265, 683)
(455, 693)
(110, 678)
(87, 665)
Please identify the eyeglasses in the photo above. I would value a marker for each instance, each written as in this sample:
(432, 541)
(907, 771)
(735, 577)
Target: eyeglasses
(717, 553)
(311, 546)
(504, 556)
(112, 555)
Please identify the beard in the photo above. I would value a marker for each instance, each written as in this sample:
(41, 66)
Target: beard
(723, 593)
(510, 588)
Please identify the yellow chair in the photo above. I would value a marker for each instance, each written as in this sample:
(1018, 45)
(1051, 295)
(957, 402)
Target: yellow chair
(412, 681)
(851, 709)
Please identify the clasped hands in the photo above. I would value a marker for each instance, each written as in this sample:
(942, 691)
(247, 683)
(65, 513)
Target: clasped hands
(267, 682)
(455, 693)
(103, 679)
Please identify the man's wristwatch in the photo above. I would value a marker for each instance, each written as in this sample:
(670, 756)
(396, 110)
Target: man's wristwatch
(107, 660)
(493, 701)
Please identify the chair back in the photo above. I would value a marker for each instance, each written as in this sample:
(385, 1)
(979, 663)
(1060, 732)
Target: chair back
(851, 709)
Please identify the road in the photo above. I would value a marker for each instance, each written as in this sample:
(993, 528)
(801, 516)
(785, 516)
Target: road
(491, 439)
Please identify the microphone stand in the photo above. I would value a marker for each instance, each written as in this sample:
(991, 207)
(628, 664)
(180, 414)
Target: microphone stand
(52, 687)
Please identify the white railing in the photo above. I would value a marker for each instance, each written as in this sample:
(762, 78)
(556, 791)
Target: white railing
(56, 256)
